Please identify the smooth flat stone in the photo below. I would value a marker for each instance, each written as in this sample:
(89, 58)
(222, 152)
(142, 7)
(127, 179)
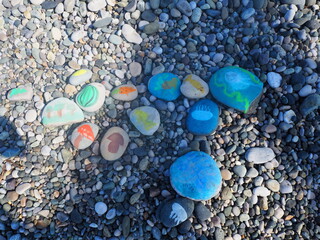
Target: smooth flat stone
(194, 87)
(21, 93)
(309, 104)
(127, 92)
(237, 88)
(176, 211)
(61, 111)
(91, 97)
(84, 135)
(196, 175)
(165, 86)
(259, 155)
(114, 143)
(203, 117)
(80, 76)
(22, 188)
(145, 119)
(130, 34)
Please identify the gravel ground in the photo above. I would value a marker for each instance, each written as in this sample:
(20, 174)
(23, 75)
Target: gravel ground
(50, 190)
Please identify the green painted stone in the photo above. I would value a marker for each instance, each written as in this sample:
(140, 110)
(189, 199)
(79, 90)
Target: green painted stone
(91, 97)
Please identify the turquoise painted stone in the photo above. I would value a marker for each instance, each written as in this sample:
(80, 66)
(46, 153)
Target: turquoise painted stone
(203, 117)
(165, 86)
(196, 175)
(237, 88)
(61, 111)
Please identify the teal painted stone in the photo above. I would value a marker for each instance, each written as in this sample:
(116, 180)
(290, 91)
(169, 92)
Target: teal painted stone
(203, 117)
(165, 86)
(61, 111)
(196, 175)
(237, 88)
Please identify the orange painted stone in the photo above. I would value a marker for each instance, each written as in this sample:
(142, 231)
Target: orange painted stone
(84, 135)
(114, 143)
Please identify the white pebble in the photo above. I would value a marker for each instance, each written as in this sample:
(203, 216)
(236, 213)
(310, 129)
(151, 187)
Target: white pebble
(100, 208)
(274, 79)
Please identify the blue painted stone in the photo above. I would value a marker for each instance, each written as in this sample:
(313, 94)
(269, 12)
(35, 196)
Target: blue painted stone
(196, 175)
(165, 86)
(236, 88)
(203, 117)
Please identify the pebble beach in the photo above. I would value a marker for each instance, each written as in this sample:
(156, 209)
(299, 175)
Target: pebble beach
(88, 144)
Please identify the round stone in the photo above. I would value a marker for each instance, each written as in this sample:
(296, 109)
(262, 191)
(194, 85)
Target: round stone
(165, 86)
(135, 69)
(125, 92)
(91, 97)
(274, 79)
(194, 87)
(84, 135)
(196, 175)
(259, 155)
(100, 208)
(236, 88)
(80, 76)
(273, 185)
(203, 117)
(145, 119)
(114, 143)
(31, 115)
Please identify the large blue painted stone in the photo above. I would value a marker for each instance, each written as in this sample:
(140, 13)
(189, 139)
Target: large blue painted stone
(165, 86)
(236, 88)
(203, 117)
(196, 175)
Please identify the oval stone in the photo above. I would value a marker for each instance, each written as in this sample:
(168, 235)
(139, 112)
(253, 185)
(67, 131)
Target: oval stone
(203, 117)
(61, 111)
(80, 76)
(237, 88)
(114, 143)
(259, 155)
(84, 135)
(91, 97)
(125, 92)
(196, 175)
(21, 93)
(145, 119)
(194, 87)
(165, 86)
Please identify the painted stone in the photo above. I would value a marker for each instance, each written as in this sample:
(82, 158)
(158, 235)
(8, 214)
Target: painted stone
(196, 175)
(165, 86)
(114, 143)
(145, 119)
(84, 135)
(237, 88)
(91, 97)
(125, 92)
(203, 117)
(80, 76)
(176, 211)
(61, 111)
(194, 87)
(21, 93)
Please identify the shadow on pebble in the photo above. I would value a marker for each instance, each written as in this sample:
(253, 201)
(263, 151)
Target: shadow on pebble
(12, 149)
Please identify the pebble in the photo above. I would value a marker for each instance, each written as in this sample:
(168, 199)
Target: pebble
(77, 35)
(96, 5)
(84, 135)
(259, 155)
(286, 187)
(130, 34)
(80, 76)
(247, 13)
(22, 188)
(202, 212)
(111, 213)
(146, 119)
(306, 91)
(135, 69)
(21, 93)
(91, 98)
(185, 7)
(240, 170)
(273, 185)
(226, 174)
(194, 87)
(100, 208)
(127, 92)
(114, 143)
(309, 104)
(31, 115)
(274, 79)
(36, 2)
(261, 191)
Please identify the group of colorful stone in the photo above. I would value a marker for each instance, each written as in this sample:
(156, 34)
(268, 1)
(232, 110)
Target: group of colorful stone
(194, 175)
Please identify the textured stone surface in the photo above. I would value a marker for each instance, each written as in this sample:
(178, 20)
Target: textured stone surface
(91, 97)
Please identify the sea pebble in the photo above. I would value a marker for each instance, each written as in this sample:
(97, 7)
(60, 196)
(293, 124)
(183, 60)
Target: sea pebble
(114, 143)
(259, 155)
(286, 187)
(203, 117)
(202, 212)
(80, 76)
(130, 34)
(146, 119)
(22, 188)
(96, 5)
(84, 135)
(31, 115)
(185, 7)
(127, 92)
(176, 211)
(91, 97)
(135, 69)
(61, 111)
(237, 88)
(261, 191)
(196, 175)
(194, 87)
(311, 103)
(165, 86)
(273, 185)
(100, 208)
(289, 116)
(21, 93)
(274, 79)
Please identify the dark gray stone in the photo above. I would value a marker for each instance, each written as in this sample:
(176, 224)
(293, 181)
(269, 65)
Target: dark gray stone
(202, 212)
